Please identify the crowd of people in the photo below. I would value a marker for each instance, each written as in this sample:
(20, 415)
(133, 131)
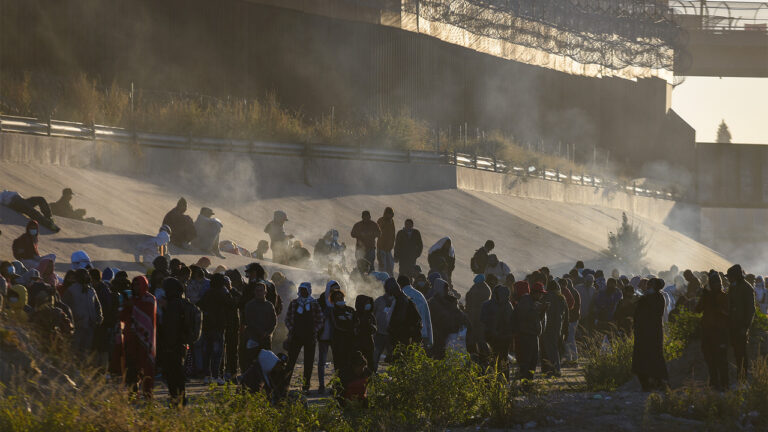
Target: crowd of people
(180, 321)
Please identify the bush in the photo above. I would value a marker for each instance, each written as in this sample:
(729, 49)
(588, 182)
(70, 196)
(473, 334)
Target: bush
(608, 361)
(627, 245)
(680, 333)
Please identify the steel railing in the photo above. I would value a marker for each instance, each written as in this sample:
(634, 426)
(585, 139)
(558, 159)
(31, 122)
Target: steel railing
(68, 129)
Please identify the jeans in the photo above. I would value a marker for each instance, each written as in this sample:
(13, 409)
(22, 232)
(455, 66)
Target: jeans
(571, 351)
(198, 355)
(173, 371)
(381, 346)
(739, 338)
(322, 356)
(386, 262)
(82, 339)
(366, 254)
(213, 350)
(27, 207)
(528, 352)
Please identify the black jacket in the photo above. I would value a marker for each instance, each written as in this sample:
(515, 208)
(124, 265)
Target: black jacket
(217, 306)
(408, 248)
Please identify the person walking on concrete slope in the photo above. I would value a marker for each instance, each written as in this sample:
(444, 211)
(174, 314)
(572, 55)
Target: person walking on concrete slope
(260, 323)
(497, 268)
(171, 341)
(86, 311)
(648, 351)
(366, 232)
(479, 261)
(208, 229)
(26, 206)
(139, 317)
(531, 316)
(408, 248)
(713, 307)
(365, 327)
(477, 295)
(447, 318)
(181, 225)
(304, 320)
(405, 322)
(217, 305)
(278, 239)
(557, 316)
(442, 258)
(499, 326)
(741, 312)
(386, 242)
(24, 248)
(422, 306)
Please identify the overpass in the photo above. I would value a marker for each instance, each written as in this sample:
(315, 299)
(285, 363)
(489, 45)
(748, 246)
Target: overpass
(723, 39)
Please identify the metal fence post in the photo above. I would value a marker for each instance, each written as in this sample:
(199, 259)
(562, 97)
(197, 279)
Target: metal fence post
(557, 174)
(49, 126)
(544, 172)
(455, 158)
(495, 165)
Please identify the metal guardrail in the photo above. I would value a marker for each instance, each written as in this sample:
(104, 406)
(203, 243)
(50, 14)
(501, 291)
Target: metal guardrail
(67, 129)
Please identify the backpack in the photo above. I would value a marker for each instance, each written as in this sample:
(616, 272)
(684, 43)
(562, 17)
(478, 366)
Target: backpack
(17, 248)
(192, 319)
(474, 263)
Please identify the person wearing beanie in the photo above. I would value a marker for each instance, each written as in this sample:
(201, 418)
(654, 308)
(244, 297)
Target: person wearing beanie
(648, 351)
(498, 324)
(741, 313)
(713, 307)
(365, 327)
(217, 305)
(447, 318)
(304, 320)
(477, 295)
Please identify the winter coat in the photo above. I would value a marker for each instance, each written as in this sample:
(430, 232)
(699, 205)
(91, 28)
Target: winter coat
(365, 326)
(530, 319)
(382, 310)
(308, 323)
(387, 238)
(741, 305)
(217, 305)
(557, 314)
(171, 331)
(481, 259)
(713, 305)
(447, 319)
(85, 306)
(648, 351)
(25, 246)
(405, 321)
(181, 225)
(260, 320)
(475, 298)
(366, 232)
(605, 304)
(574, 313)
(196, 289)
(422, 307)
(497, 317)
(440, 260)
(408, 246)
(208, 230)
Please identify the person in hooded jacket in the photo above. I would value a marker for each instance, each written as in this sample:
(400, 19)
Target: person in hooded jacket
(605, 304)
(139, 316)
(86, 311)
(574, 314)
(499, 326)
(104, 332)
(648, 351)
(365, 326)
(475, 298)
(171, 340)
(408, 249)
(713, 307)
(404, 326)
(497, 268)
(217, 305)
(182, 228)
(232, 331)
(531, 317)
(382, 309)
(248, 295)
(557, 314)
(208, 229)
(51, 320)
(365, 232)
(741, 313)
(418, 299)
(343, 340)
(256, 273)
(447, 318)
(25, 247)
(278, 239)
(442, 258)
(325, 336)
(304, 320)
(329, 252)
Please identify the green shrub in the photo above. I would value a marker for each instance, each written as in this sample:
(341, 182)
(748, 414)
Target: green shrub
(607, 361)
(678, 334)
(697, 403)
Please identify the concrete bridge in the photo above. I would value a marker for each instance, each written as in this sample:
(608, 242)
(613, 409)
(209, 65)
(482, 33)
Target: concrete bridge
(724, 39)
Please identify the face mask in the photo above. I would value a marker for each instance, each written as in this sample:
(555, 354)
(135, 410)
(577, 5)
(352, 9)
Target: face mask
(340, 303)
(33, 232)
(10, 270)
(367, 307)
(13, 300)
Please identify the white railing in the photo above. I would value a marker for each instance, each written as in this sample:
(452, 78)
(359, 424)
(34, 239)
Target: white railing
(59, 128)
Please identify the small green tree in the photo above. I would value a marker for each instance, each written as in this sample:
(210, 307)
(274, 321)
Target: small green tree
(627, 245)
(723, 133)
